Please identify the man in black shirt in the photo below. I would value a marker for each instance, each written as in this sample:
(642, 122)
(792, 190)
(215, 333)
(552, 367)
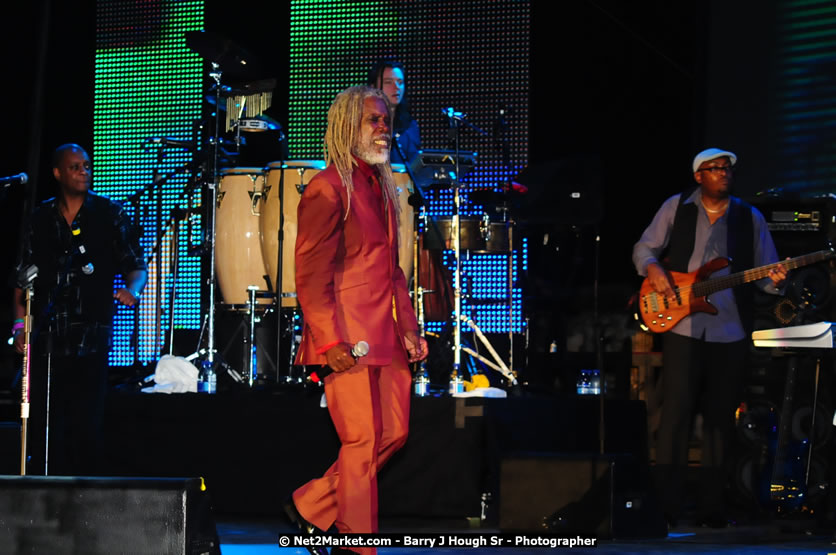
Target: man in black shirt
(388, 76)
(79, 241)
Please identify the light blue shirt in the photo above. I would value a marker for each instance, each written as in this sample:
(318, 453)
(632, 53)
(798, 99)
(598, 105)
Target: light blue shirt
(711, 242)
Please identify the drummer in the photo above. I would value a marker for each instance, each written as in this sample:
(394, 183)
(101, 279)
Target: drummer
(389, 75)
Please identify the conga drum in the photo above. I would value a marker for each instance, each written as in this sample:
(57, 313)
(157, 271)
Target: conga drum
(297, 174)
(238, 261)
(406, 220)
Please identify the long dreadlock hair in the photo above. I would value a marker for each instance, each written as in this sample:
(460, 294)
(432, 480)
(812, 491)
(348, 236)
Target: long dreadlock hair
(343, 133)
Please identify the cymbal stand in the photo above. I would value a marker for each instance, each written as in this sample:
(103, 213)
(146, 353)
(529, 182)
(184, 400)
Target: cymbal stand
(216, 75)
(501, 134)
(454, 119)
(279, 286)
(499, 366)
(209, 364)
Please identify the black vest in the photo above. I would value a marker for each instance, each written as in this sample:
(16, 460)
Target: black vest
(741, 239)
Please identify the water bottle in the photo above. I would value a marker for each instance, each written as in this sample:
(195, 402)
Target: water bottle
(595, 382)
(456, 384)
(208, 379)
(422, 382)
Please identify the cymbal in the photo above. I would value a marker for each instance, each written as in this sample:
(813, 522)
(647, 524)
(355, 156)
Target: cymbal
(261, 86)
(235, 62)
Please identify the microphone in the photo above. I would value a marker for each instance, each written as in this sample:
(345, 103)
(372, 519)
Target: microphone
(452, 114)
(13, 179)
(360, 349)
(169, 141)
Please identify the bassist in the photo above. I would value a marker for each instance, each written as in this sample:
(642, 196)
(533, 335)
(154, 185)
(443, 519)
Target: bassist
(704, 353)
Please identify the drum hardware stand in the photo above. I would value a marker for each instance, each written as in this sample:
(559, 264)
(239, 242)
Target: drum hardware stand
(418, 200)
(599, 347)
(509, 223)
(176, 215)
(210, 356)
(250, 352)
(294, 344)
(499, 366)
(209, 364)
(278, 285)
(455, 119)
(26, 280)
(501, 132)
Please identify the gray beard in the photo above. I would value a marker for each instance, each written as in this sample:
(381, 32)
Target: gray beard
(370, 155)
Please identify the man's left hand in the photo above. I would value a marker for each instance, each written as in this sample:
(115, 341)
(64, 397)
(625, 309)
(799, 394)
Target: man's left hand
(125, 297)
(416, 346)
(778, 274)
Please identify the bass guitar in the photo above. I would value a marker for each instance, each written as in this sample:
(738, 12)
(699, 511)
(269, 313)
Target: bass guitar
(660, 313)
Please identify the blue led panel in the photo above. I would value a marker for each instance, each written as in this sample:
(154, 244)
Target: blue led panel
(148, 84)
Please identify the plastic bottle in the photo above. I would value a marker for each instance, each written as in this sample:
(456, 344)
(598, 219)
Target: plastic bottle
(208, 380)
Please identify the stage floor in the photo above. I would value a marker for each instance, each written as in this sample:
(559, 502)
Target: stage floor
(259, 537)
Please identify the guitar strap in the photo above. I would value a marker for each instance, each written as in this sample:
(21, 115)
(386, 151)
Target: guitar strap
(683, 234)
(740, 246)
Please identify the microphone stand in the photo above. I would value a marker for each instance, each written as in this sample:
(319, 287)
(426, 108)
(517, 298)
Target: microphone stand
(28, 279)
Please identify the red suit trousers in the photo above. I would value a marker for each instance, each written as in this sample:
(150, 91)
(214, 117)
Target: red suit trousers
(369, 406)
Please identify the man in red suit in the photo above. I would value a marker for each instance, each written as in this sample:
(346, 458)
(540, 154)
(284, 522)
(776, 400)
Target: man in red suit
(351, 289)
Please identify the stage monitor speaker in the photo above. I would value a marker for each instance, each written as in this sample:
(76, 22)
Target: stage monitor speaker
(45, 514)
(604, 497)
(799, 226)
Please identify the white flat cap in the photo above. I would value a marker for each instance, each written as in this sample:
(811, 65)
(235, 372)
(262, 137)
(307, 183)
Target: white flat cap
(711, 154)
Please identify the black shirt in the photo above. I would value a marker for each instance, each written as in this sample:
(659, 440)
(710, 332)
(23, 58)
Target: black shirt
(76, 267)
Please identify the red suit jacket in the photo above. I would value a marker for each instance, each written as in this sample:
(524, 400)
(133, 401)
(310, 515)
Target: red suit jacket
(347, 274)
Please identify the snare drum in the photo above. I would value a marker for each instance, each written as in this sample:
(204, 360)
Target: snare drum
(238, 261)
(406, 220)
(297, 174)
(475, 235)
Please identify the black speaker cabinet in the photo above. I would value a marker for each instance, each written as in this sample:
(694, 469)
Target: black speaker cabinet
(45, 514)
(601, 496)
(799, 226)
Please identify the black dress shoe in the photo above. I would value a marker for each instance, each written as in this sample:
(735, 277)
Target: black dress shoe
(297, 519)
(303, 526)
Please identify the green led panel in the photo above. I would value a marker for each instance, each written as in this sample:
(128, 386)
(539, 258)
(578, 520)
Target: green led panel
(148, 84)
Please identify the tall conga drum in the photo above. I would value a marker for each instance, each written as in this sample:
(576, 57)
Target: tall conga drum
(406, 220)
(297, 174)
(238, 260)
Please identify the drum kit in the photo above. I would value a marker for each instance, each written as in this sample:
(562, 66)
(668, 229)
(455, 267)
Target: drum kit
(253, 227)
